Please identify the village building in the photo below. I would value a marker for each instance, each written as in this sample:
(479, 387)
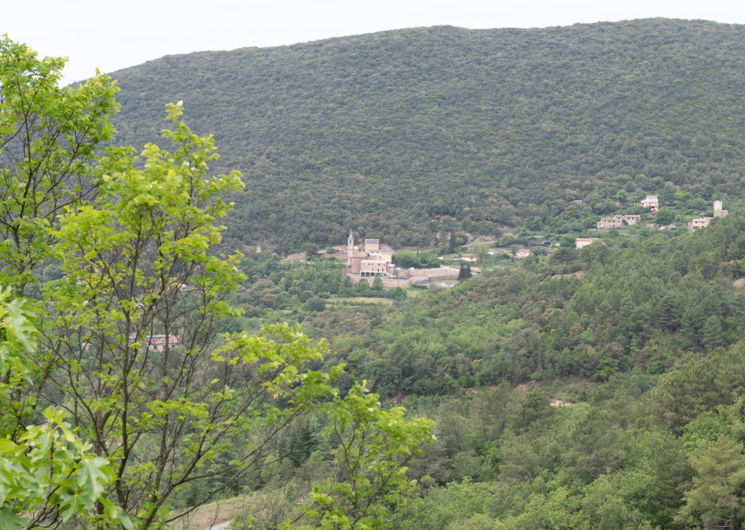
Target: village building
(582, 242)
(618, 221)
(699, 222)
(651, 202)
(522, 253)
(376, 267)
(371, 261)
(354, 255)
(610, 222)
(632, 219)
(372, 245)
(718, 212)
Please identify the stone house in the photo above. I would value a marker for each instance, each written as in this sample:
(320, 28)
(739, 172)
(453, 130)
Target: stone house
(372, 245)
(699, 222)
(651, 202)
(618, 221)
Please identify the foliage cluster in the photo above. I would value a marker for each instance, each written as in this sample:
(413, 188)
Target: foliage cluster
(167, 405)
(48, 474)
(418, 260)
(630, 456)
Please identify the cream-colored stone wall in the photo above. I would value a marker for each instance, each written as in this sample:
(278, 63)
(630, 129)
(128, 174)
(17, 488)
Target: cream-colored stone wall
(372, 245)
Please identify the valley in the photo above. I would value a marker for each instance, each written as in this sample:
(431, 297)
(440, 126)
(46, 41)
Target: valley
(435, 278)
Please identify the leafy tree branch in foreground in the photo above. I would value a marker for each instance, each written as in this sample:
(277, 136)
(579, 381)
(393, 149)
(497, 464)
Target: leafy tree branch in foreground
(137, 337)
(47, 473)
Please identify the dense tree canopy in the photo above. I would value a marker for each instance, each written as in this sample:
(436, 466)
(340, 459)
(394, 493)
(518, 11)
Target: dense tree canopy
(411, 134)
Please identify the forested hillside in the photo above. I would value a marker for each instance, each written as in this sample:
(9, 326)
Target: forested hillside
(592, 388)
(612, 399)
(406, 133)
(637, 308)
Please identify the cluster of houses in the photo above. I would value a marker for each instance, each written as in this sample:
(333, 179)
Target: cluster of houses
(370, 260)
(703, 222)
(617, 221)
(652, 202)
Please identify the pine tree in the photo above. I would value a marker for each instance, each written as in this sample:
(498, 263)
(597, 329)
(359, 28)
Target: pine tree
(716, 498)
(712, 332)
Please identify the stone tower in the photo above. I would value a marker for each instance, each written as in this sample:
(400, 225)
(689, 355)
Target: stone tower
(718, 211)
(350, 248)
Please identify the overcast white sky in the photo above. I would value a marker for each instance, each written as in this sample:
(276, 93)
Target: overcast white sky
(114, 35)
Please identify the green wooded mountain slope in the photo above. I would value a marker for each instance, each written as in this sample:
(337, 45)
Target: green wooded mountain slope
(405, 133)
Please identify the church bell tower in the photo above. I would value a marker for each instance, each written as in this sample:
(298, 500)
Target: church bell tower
(350, 248)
